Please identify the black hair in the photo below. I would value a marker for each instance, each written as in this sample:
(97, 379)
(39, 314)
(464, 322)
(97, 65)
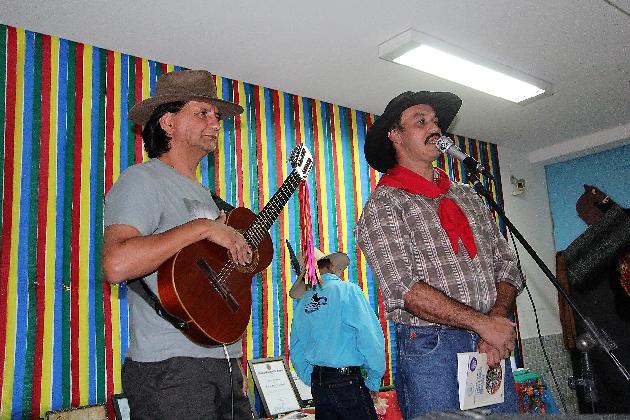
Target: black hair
(397, 124)
(156, 141)
(324, 263)
(389, 157)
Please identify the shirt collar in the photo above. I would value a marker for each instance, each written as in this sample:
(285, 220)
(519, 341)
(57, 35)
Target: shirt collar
(330, 276)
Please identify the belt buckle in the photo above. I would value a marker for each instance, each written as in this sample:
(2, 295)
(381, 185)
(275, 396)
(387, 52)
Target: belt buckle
(344, 370)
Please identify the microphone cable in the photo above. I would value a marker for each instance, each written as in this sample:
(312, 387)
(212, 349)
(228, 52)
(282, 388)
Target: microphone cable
(542, 343)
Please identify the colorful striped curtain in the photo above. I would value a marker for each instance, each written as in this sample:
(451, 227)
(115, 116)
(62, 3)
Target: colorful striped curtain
(65, 138)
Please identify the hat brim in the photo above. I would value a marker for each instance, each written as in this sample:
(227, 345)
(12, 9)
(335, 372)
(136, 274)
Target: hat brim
(379, 152)
(141, 112)
(298, 289)
(338, 259)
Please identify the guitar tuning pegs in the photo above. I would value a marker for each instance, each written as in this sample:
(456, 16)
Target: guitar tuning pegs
(301, 160)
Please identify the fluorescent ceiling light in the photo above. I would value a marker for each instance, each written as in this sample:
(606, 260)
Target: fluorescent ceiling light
(430, 55)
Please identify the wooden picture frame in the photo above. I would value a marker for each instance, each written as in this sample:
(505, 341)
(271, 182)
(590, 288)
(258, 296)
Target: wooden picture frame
(87, 412)
(304, 391)
(275, 385)
(121, 407)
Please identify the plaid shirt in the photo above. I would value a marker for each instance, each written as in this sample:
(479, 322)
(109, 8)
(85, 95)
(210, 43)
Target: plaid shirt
(402, 239)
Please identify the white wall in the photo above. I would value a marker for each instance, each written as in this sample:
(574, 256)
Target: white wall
(530, 213)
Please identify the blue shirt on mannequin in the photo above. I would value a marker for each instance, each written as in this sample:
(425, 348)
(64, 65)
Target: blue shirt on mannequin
(333, 325)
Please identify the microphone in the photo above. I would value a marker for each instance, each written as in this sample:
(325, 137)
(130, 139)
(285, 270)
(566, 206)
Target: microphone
(445, 145)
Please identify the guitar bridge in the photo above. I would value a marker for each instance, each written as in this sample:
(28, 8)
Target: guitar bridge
(218, 285)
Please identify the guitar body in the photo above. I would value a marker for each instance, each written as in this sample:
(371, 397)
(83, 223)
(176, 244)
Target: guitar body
(204, 288)
(186, 291)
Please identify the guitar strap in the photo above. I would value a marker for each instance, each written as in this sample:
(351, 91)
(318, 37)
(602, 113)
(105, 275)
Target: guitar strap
(152, 300)
(221, 204)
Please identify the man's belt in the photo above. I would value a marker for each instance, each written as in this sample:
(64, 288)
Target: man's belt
(348, 370)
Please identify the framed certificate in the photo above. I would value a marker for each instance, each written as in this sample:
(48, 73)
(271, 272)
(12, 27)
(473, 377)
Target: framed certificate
(121, 407)
(275, 386)
(304, 391)
(78, 413)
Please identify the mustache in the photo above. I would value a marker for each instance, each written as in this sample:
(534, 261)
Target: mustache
(430, 136)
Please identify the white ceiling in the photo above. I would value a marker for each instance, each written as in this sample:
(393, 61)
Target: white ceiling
(328, 49)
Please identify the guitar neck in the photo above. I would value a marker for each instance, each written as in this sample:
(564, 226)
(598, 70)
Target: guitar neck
(268, 215)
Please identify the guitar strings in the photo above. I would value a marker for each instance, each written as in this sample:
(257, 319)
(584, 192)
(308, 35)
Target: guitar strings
(255, 234)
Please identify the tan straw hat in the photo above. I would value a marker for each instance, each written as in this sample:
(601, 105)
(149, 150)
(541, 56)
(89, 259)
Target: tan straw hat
(339, 259)
(187, 85)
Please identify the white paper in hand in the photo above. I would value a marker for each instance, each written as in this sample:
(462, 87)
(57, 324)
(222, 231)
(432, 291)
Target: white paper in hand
(479, 385)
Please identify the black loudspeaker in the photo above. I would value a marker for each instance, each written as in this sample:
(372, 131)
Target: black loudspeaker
(600, 246)
(596, 289)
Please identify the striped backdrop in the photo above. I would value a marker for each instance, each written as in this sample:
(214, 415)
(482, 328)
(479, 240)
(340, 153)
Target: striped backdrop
(65, 138)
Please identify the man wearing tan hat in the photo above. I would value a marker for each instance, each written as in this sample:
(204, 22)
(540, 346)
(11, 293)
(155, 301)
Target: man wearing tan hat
(153, 210)
(448, 277)
(334, 334)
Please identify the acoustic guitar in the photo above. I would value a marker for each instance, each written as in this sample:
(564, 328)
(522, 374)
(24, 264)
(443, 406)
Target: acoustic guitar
(201, 284)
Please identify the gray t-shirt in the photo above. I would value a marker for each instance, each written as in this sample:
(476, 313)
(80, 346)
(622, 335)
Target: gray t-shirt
(153, 198)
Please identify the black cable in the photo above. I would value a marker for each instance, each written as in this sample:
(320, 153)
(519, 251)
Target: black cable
(542, 343)
(227, 357)
(610, 3)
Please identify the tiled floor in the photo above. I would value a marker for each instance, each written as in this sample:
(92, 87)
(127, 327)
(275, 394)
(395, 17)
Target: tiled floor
(559, 358)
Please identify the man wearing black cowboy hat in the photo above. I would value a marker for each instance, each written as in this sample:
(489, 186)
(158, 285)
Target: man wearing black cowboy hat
(448, 277)
(153, 210)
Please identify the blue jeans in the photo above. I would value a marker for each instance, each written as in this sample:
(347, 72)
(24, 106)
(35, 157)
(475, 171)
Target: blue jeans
(341, 396)
(426, 371)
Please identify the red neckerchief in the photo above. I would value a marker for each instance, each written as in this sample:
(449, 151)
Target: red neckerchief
(452, 218)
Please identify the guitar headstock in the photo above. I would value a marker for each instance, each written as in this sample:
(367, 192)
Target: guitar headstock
(301, 160)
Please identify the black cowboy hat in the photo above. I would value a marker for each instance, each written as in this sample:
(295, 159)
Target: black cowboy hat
(378, 149)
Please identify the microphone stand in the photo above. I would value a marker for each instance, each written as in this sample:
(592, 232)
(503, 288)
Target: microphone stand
(593, 335)
(584, 344)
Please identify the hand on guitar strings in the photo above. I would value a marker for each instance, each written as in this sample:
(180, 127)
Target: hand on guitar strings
(230, 238)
